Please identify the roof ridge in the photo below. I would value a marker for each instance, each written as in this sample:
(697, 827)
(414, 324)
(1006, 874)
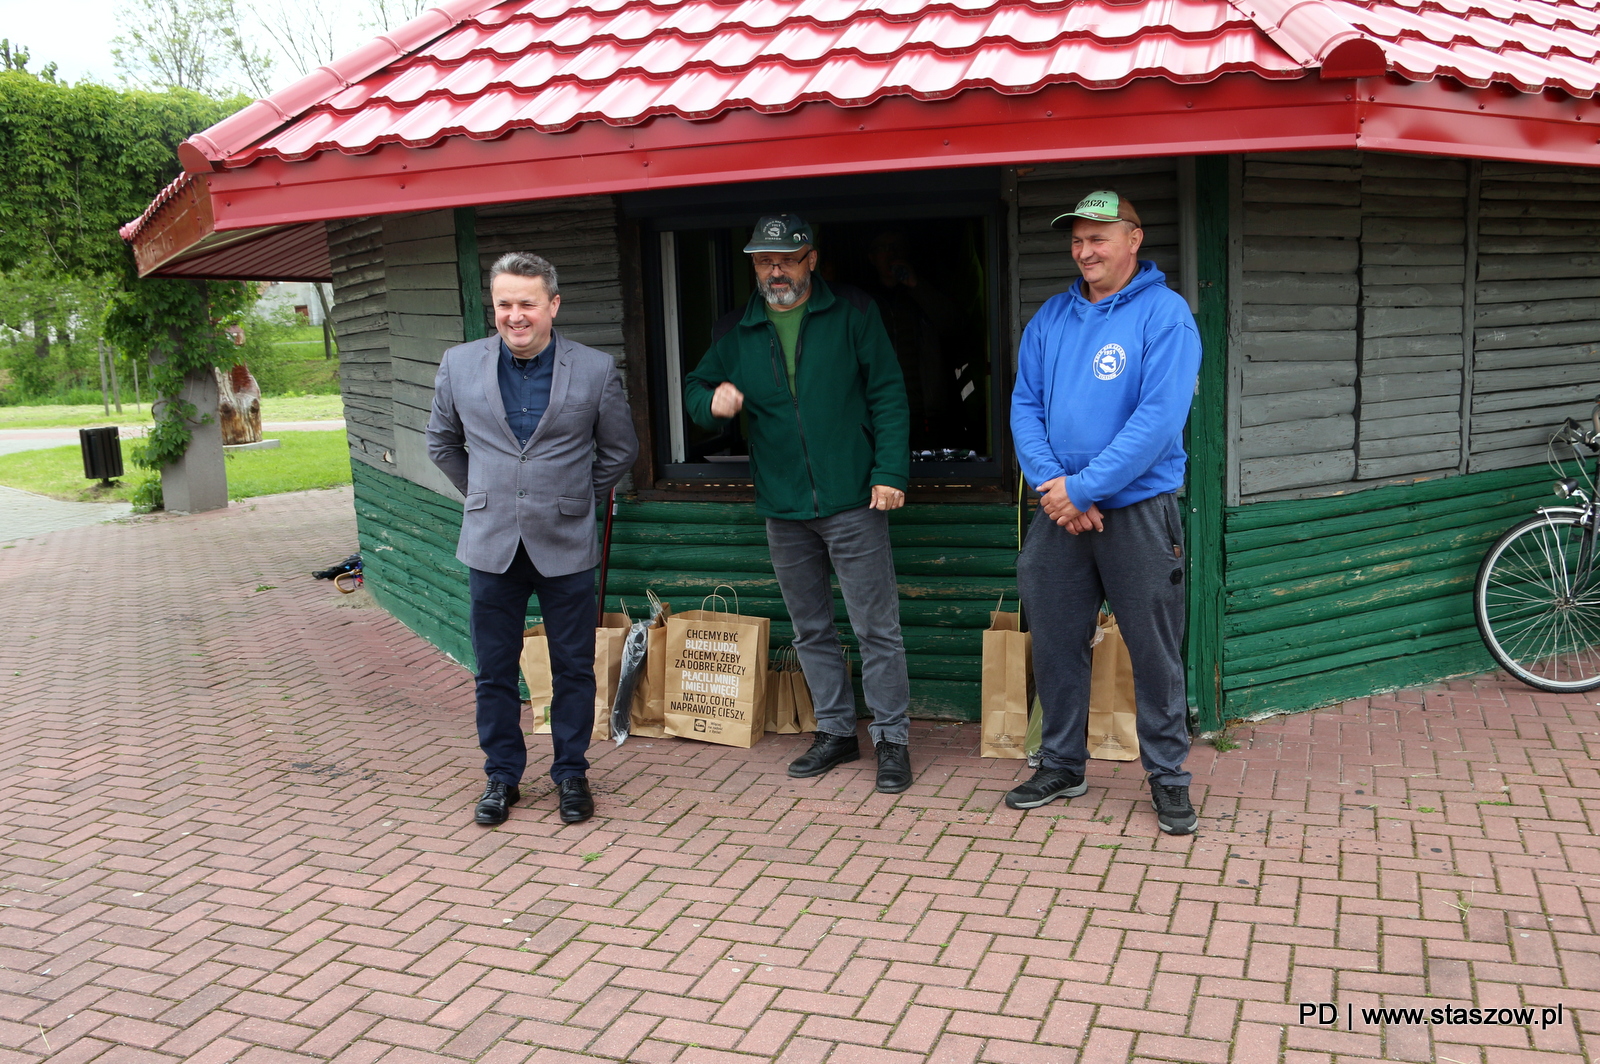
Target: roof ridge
(1316, 33)
(202, 151)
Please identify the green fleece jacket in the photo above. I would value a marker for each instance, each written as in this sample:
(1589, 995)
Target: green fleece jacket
(818, 449)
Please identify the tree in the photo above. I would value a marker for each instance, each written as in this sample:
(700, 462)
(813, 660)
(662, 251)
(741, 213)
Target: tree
(171, 44)
(385, 15)
(16, 58)
(80, 161)
(217, 46)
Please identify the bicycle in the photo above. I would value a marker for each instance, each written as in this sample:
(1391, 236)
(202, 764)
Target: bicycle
(1537, 596)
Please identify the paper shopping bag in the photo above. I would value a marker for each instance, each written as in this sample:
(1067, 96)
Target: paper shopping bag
(647, 714)
(536, 674)
(780, 693)
(805, 711)
(716, 676)
(1007, 689)
(607, 666)
(1113, 714)
(608, 640)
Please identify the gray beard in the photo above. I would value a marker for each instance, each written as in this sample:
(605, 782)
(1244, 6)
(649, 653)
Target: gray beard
(785, 297)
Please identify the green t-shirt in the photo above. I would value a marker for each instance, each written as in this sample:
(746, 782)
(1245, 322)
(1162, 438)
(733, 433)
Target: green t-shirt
(787, 322)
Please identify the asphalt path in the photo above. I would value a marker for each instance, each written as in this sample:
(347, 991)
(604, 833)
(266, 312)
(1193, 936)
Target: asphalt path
(14, 440)
(24, 514)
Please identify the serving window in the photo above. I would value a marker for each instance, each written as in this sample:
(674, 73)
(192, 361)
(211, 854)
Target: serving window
(926, 258)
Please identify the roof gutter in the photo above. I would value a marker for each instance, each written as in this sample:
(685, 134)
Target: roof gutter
(1238, 113)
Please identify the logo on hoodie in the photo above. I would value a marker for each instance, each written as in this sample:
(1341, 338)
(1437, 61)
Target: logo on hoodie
(1110, 361)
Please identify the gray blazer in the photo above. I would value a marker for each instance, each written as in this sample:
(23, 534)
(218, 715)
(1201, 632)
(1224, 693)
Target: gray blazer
(544, 494)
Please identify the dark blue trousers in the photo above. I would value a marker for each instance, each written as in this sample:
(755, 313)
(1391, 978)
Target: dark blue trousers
(499, 610)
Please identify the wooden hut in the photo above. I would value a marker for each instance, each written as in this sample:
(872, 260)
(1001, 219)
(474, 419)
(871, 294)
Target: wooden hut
(1384, 214)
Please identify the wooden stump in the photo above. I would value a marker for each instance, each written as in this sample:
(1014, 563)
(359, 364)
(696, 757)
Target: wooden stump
(239, 406)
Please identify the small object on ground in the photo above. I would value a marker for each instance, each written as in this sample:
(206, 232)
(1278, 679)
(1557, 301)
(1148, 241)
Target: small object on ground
(350, 564)
(348, 582)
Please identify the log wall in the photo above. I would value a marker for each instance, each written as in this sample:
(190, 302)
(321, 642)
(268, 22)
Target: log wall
(1400, 318)
(361, 320)
(1536, 326)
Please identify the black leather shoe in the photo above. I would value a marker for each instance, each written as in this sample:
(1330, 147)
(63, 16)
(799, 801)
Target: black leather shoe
(574, 800)
(826, 751)
(496, 803)
(894, 767)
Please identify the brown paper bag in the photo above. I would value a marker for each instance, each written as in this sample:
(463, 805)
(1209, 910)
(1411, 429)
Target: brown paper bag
(536, 674)
(1113, 714)
(608, 640)
(607, 667)
(1007, 689)
(805, 712)
(716, 682)
(646, 714)
(780, 694)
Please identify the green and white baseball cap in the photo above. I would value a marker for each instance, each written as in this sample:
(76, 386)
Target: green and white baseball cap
(1102, 206)
(779, 233)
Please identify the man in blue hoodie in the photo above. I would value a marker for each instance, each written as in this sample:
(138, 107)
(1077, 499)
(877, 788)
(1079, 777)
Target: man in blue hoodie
(1105, 375)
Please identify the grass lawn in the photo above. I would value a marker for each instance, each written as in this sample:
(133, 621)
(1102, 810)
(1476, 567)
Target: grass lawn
(273, 408)
(305, 460)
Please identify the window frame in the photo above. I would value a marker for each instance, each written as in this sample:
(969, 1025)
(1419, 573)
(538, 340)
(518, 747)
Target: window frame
(972, 193)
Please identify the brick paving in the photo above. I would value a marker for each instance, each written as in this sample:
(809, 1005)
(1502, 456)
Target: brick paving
(236, 827)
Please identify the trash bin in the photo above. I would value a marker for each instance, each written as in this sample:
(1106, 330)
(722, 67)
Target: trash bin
(102, 453)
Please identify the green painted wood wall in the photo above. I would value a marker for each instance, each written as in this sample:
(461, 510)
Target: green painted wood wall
(954, 562)
(1341, 597)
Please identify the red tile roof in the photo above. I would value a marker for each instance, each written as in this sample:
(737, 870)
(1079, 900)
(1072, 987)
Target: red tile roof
(476, 69)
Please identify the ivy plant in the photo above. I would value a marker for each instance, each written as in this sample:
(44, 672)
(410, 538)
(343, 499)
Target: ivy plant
(81, 160)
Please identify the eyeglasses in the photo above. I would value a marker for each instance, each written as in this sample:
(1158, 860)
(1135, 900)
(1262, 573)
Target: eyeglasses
(766, 263)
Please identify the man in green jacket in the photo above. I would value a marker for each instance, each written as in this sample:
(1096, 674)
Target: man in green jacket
(813, 371)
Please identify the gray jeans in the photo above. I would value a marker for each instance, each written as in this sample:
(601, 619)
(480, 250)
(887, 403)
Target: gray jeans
(857, 543)
(1136, 565)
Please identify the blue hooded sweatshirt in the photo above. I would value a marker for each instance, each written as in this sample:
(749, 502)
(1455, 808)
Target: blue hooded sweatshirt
(1103, 391)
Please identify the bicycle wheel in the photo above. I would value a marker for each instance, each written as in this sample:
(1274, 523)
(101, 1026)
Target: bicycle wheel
(1537, 603)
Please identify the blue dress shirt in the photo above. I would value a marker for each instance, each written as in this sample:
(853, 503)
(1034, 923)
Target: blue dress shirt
(525, 389)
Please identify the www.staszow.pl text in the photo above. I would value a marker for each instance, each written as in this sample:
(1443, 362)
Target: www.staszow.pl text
(1326, 1013)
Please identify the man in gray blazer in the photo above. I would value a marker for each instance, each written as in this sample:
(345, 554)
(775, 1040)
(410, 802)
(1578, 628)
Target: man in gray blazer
(533, 429)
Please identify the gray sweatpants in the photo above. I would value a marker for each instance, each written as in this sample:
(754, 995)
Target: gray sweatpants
(856, 542)
(1136, 565)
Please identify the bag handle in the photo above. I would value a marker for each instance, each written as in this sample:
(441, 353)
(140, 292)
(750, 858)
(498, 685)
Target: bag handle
(722, 598)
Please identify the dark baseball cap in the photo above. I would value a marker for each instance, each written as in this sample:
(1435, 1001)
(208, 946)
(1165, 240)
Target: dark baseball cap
(780, 233)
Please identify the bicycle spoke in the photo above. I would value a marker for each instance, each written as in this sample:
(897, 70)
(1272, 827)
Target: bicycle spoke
(1538, 602)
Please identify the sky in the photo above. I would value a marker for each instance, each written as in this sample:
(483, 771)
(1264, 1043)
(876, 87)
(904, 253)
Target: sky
(80, 44)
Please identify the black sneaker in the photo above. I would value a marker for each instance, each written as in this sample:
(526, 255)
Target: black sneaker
(1174, 812)
(1047, 785)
